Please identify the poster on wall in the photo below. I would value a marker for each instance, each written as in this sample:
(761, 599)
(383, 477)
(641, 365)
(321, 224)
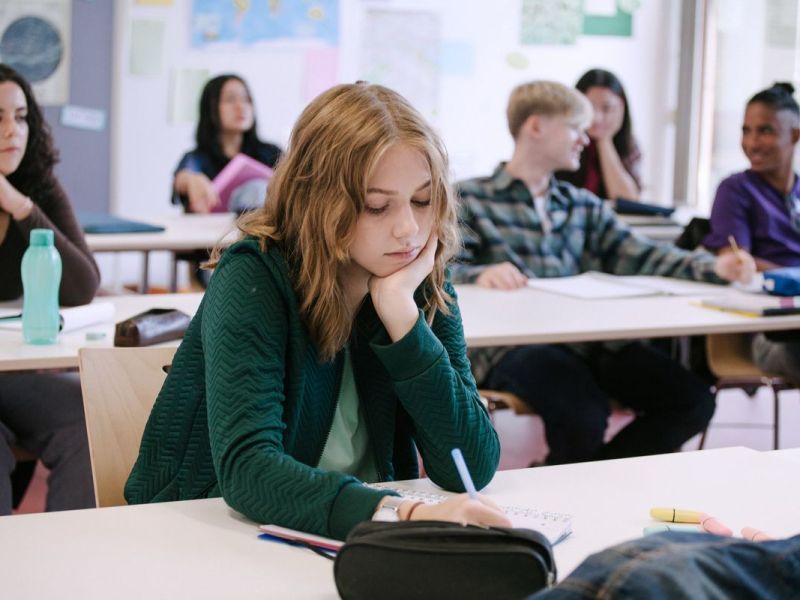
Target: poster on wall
(249, 21)
(401, 50)
(35, 40)
(550, 21)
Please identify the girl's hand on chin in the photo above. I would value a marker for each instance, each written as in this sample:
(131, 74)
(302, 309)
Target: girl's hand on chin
(393, 295)
(407, 279)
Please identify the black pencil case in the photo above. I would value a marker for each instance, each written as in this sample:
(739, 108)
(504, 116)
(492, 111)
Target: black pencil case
(435, 559)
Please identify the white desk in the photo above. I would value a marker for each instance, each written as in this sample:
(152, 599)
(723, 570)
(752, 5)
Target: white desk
(18, 356)
(202, 549)
(529, 316)
(182, 232)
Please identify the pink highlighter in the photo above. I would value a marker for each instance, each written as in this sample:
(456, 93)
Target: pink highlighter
(711, 525)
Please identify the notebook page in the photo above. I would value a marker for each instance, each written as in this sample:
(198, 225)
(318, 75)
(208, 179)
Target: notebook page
(590, 286)
(553, 525)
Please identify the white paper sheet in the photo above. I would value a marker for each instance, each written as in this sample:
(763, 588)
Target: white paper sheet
(73, 318)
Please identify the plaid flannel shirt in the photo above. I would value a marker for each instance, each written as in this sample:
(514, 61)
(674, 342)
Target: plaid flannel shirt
(499, 223)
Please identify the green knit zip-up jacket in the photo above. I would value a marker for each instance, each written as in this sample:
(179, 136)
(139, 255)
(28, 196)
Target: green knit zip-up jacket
(247, 406)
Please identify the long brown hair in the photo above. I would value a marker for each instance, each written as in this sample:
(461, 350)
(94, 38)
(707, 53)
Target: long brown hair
(318, 191)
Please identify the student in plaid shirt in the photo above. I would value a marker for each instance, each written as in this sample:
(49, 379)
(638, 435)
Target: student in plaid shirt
(520, 222)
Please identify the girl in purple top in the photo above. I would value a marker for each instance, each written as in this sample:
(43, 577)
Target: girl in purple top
(760, 208)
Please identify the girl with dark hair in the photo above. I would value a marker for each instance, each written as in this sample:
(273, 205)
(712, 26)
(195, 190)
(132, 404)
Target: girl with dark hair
(610, 164)
(40, 412)
(760, 207)
(227, 127)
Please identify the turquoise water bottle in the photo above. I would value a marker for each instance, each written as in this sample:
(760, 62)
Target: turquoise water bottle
(41, 278)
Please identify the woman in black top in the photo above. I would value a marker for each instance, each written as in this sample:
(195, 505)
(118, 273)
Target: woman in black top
(40, 412)
(227, 127)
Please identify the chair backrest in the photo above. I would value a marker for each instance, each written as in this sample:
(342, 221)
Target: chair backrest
(729, 356)
(119, 386)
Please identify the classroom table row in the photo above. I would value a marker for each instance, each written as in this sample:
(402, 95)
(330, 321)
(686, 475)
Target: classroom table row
(188, 232)
(204, 549)
(490, 317)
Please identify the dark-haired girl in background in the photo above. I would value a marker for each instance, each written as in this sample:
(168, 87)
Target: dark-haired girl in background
(40, 412)
(226, 128)
(610, 164)
(760, 208)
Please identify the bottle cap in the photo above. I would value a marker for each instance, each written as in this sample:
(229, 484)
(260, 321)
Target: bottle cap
(41, 237)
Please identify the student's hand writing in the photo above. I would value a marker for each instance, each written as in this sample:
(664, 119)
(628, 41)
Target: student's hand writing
(198, 189)
(462, 509)
(735, 266)
(393, 295)
(502, 276)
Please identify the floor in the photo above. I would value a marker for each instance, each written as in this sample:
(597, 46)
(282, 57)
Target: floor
(739, 421)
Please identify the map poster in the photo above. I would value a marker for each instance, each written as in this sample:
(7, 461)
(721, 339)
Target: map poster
(247, 22)
(402, 50)
(35, 40)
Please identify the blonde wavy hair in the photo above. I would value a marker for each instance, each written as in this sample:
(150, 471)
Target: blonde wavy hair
(548, 98)
(318, 191)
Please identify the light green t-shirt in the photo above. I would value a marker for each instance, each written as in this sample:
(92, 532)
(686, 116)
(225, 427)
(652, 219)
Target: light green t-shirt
(347, 449)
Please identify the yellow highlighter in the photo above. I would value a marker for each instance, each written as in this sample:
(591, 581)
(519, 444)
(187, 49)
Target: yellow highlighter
(675, 515)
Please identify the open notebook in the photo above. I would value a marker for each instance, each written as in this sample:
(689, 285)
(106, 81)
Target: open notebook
(554, 526)
(594, 285)
(756, 305)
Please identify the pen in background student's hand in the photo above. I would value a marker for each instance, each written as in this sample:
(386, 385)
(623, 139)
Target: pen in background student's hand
(735, 247)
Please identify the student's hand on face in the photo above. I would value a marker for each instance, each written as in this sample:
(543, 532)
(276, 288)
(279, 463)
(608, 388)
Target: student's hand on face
(462, 509)
(502, 276)
(393, 295)
(201, 193)
(735, 266)
(406, 280)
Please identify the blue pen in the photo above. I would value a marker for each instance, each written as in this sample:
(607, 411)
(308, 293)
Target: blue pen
(463, 472)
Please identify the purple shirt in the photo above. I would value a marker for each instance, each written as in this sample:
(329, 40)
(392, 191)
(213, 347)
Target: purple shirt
(757, 216)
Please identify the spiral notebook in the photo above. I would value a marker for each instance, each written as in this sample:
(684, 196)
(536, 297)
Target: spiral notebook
(555, 526)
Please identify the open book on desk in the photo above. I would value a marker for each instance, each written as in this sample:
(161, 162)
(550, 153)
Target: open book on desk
(756, 305)
(594, 285)
(555, 526)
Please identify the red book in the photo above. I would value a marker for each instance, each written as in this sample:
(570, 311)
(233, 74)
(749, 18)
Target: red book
(240, 170)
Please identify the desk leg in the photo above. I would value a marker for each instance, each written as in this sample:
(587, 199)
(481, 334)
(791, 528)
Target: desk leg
(145, 272)
(684, 350)
(173, 278)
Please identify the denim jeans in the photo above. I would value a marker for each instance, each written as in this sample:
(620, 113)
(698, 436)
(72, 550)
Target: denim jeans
(681, 565)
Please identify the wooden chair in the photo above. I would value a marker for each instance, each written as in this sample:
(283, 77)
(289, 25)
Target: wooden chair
(730, 361)
(496, 400)
(119, 386)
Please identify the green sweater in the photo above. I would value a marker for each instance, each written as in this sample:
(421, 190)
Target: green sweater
(247, 406)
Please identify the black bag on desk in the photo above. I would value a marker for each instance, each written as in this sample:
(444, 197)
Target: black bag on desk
(151, 327)
(434, 559)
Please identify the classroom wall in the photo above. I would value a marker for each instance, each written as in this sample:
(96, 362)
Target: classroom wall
(84, 169)
(472, 83)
